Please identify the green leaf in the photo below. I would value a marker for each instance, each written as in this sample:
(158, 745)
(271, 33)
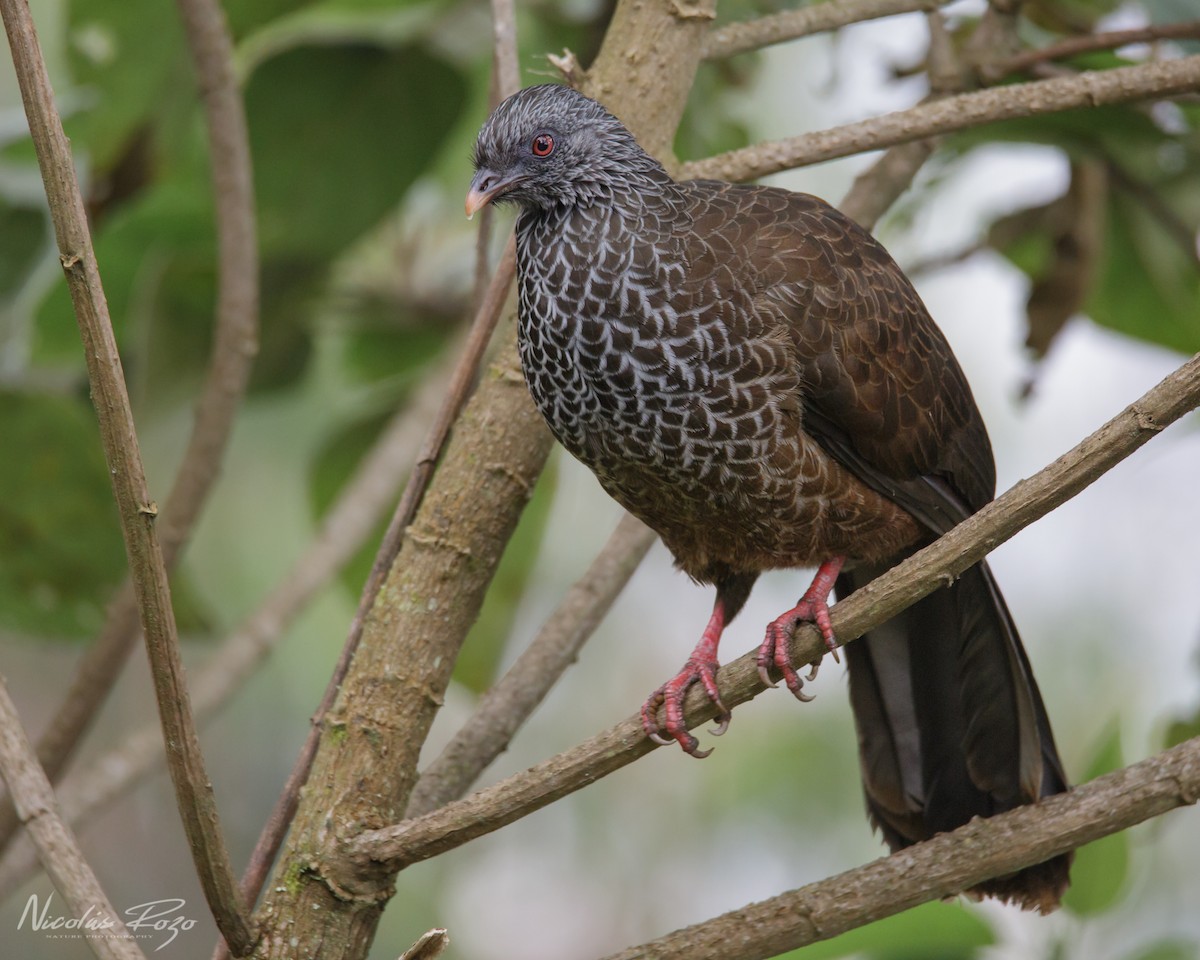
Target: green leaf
(63, 551)
(932, 931)
(23, 233)
(124, 56)
(1101, 870)
(1149, 285)
(1169, 950)
(338, 134)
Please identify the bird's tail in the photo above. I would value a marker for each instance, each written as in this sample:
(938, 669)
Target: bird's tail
(951, 724)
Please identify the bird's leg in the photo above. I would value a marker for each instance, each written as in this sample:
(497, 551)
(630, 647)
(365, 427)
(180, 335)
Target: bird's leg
(700, 667)
(813, 607)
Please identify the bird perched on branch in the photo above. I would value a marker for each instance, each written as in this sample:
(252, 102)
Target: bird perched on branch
(750, 373)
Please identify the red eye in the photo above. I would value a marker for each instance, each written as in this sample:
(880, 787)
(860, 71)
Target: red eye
(542, 145)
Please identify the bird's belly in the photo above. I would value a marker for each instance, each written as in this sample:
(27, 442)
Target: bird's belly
(740, 494)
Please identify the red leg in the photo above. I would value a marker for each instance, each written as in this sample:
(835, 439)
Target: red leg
(812, 608)
(700, 667)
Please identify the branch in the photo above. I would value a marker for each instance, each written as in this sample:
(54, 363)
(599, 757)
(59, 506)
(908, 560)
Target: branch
(944, 866)
(737, 38)
(135, 508)
(234, 346)
(1091, 43)
(507, 704)
(489, 809)
(1091, 89)
(56, 844)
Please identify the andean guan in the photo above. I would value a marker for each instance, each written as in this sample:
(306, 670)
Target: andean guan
(749, 372)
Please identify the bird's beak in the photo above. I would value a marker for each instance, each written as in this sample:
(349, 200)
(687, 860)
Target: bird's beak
(485, 188)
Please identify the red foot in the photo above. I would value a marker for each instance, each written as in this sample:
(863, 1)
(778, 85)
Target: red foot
(701, 667)
(813, 607)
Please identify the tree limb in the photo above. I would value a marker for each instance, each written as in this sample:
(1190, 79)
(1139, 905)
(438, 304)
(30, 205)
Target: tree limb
(136, 510)
(946, 865)
(56, 844)
(366, 761)
(489, 809)
(1091, 89)
(749, 35)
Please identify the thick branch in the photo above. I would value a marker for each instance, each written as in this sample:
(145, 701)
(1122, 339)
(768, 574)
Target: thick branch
(489, 809)
(942, 867)
(366, 762)
(56, 844)
(135, 508)
(793, 24)
(1092, 89)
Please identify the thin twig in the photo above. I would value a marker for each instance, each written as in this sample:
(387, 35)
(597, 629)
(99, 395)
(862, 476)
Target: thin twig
(930, 568)
(1091, 89)
(1091, 43)
(136, 510)
(793, 24)
(942, 867)
(56, 844)
(234, 346)
(508, 703)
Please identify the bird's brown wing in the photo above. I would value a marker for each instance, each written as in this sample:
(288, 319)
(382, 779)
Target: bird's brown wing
(950, 721)
(877, 374)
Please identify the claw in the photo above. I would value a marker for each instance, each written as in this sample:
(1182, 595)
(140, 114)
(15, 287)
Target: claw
(701, 667)
(813, 607)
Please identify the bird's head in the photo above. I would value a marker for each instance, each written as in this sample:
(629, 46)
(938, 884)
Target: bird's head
(550, 146)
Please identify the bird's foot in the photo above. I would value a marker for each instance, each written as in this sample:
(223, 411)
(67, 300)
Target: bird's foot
(813, 607)
(670, 697)
(701, 667)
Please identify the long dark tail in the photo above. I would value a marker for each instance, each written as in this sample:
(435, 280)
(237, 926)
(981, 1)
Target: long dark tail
(951, 724)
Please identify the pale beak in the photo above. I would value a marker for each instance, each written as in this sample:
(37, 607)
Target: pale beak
(485, 188)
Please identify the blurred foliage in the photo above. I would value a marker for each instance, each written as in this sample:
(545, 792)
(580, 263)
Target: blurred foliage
(932, 931)
(1100, 873)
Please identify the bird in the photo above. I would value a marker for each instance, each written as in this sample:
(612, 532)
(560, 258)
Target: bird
(750, 373)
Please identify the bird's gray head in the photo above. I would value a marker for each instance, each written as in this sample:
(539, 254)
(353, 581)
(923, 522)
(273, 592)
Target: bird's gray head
(550, 146)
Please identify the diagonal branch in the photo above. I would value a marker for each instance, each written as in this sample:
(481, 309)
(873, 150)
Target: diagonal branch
(942, 867)
(489, 809)
(135, 508)
(234, 346)
(56, 844)
(1092, 89)
(749, 35)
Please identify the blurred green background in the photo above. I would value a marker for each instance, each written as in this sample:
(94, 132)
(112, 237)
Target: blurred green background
(1070, 231)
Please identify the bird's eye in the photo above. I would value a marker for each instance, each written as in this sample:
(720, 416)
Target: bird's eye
(542, 145)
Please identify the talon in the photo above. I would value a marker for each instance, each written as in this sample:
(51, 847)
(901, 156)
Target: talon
(813, 607)
(701, 667)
